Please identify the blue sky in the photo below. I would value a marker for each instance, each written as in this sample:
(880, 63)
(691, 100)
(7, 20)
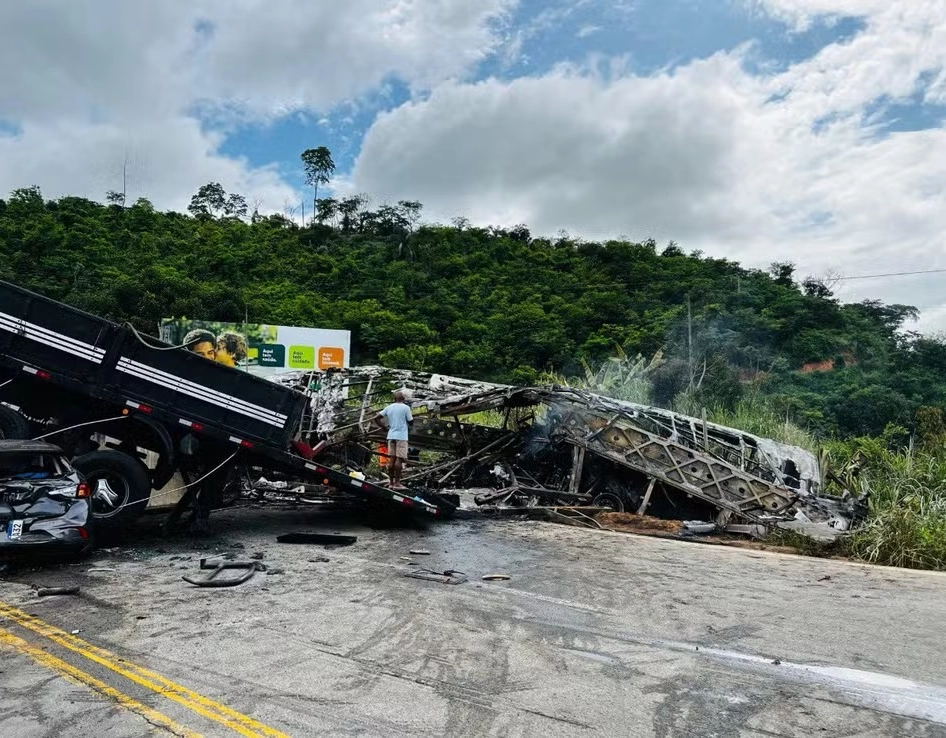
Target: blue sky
(757, 130)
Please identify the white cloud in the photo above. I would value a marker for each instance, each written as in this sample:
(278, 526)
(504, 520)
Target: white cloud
(801, 13)
(566, 150)
(164, 162)
(275, 57)
(87, 81)
(757, 168)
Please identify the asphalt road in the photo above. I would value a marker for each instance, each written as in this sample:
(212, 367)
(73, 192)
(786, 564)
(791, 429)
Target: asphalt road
(594, 633)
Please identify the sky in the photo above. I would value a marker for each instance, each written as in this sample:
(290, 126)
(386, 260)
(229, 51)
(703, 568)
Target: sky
(809, 131)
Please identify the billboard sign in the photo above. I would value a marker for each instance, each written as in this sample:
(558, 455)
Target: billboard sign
(259, 348)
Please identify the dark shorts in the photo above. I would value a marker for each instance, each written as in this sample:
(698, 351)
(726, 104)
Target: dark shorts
(397, 449)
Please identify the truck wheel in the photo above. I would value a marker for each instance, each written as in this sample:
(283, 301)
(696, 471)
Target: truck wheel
(120, 487)
(13, 426)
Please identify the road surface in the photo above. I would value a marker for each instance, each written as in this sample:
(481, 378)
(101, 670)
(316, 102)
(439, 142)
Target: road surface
(595, 633)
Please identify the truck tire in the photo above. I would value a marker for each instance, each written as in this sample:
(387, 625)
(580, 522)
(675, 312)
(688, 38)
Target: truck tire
(120, 487)
(13, 426)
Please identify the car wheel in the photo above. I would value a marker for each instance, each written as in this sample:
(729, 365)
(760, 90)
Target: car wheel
(13, 426)
(120, 487)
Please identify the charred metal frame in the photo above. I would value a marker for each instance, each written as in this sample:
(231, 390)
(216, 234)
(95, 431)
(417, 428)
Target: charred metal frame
(740, 475)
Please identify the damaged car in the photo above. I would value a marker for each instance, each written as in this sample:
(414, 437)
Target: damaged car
(45, 504)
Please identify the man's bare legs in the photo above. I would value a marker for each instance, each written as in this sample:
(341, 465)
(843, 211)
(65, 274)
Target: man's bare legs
(397, 466)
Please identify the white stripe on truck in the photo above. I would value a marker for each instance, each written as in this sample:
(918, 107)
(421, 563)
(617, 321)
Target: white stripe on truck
(47, 337)
(200, 392)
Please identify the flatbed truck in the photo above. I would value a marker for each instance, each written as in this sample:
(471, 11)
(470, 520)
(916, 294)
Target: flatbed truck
(75, 378)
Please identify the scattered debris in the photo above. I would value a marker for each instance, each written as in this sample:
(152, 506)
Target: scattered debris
(496, 577)
(698, 527)
(448, 576)
(419, 552)
(270, 572)
(646, 524)
(50, 591)
(249, 568)
(317, 538)
(319, 560)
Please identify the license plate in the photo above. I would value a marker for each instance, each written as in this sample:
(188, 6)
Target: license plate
(15, 530)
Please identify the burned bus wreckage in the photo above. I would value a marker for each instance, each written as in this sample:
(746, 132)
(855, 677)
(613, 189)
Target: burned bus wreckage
(562, 446)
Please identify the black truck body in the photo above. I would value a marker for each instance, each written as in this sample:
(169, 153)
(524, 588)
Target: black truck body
(59, 362)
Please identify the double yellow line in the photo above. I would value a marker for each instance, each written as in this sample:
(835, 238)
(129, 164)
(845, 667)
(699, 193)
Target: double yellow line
(204, 706)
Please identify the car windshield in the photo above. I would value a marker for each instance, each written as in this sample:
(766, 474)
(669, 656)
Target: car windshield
(30, 466)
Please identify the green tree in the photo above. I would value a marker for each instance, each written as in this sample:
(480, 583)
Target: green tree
(115, 198)
(319, 168)
(410, 211)
(235, 206)
(209, 200)
(326, 209)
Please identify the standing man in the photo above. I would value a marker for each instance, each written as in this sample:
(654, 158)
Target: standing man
(399, 418)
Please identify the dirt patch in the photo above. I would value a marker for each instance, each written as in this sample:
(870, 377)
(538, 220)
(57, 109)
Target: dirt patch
(644, 524)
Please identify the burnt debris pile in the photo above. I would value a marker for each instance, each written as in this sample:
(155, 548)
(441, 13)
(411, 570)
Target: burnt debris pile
(561, 446)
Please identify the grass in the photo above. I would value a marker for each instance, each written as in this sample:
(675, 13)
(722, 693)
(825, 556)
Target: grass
(906, 524)
(754, 415)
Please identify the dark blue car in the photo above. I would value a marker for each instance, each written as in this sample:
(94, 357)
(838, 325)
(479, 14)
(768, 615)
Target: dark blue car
(44, 501)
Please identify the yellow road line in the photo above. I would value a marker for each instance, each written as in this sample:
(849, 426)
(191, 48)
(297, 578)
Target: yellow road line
(77, 675)
(242, 724)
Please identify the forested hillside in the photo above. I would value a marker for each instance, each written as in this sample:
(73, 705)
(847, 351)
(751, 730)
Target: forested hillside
(488, 303)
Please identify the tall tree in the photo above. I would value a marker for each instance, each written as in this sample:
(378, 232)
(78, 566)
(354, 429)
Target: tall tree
(235, 206)
(319, 169)
(348, 209)
(410, 209)
(210, 199)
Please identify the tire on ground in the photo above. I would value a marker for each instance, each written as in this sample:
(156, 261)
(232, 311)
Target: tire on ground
(120, 486)
(609, 499)
(13, 426)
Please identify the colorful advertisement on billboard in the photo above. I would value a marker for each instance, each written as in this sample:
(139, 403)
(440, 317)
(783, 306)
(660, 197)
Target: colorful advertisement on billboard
(261, 349)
